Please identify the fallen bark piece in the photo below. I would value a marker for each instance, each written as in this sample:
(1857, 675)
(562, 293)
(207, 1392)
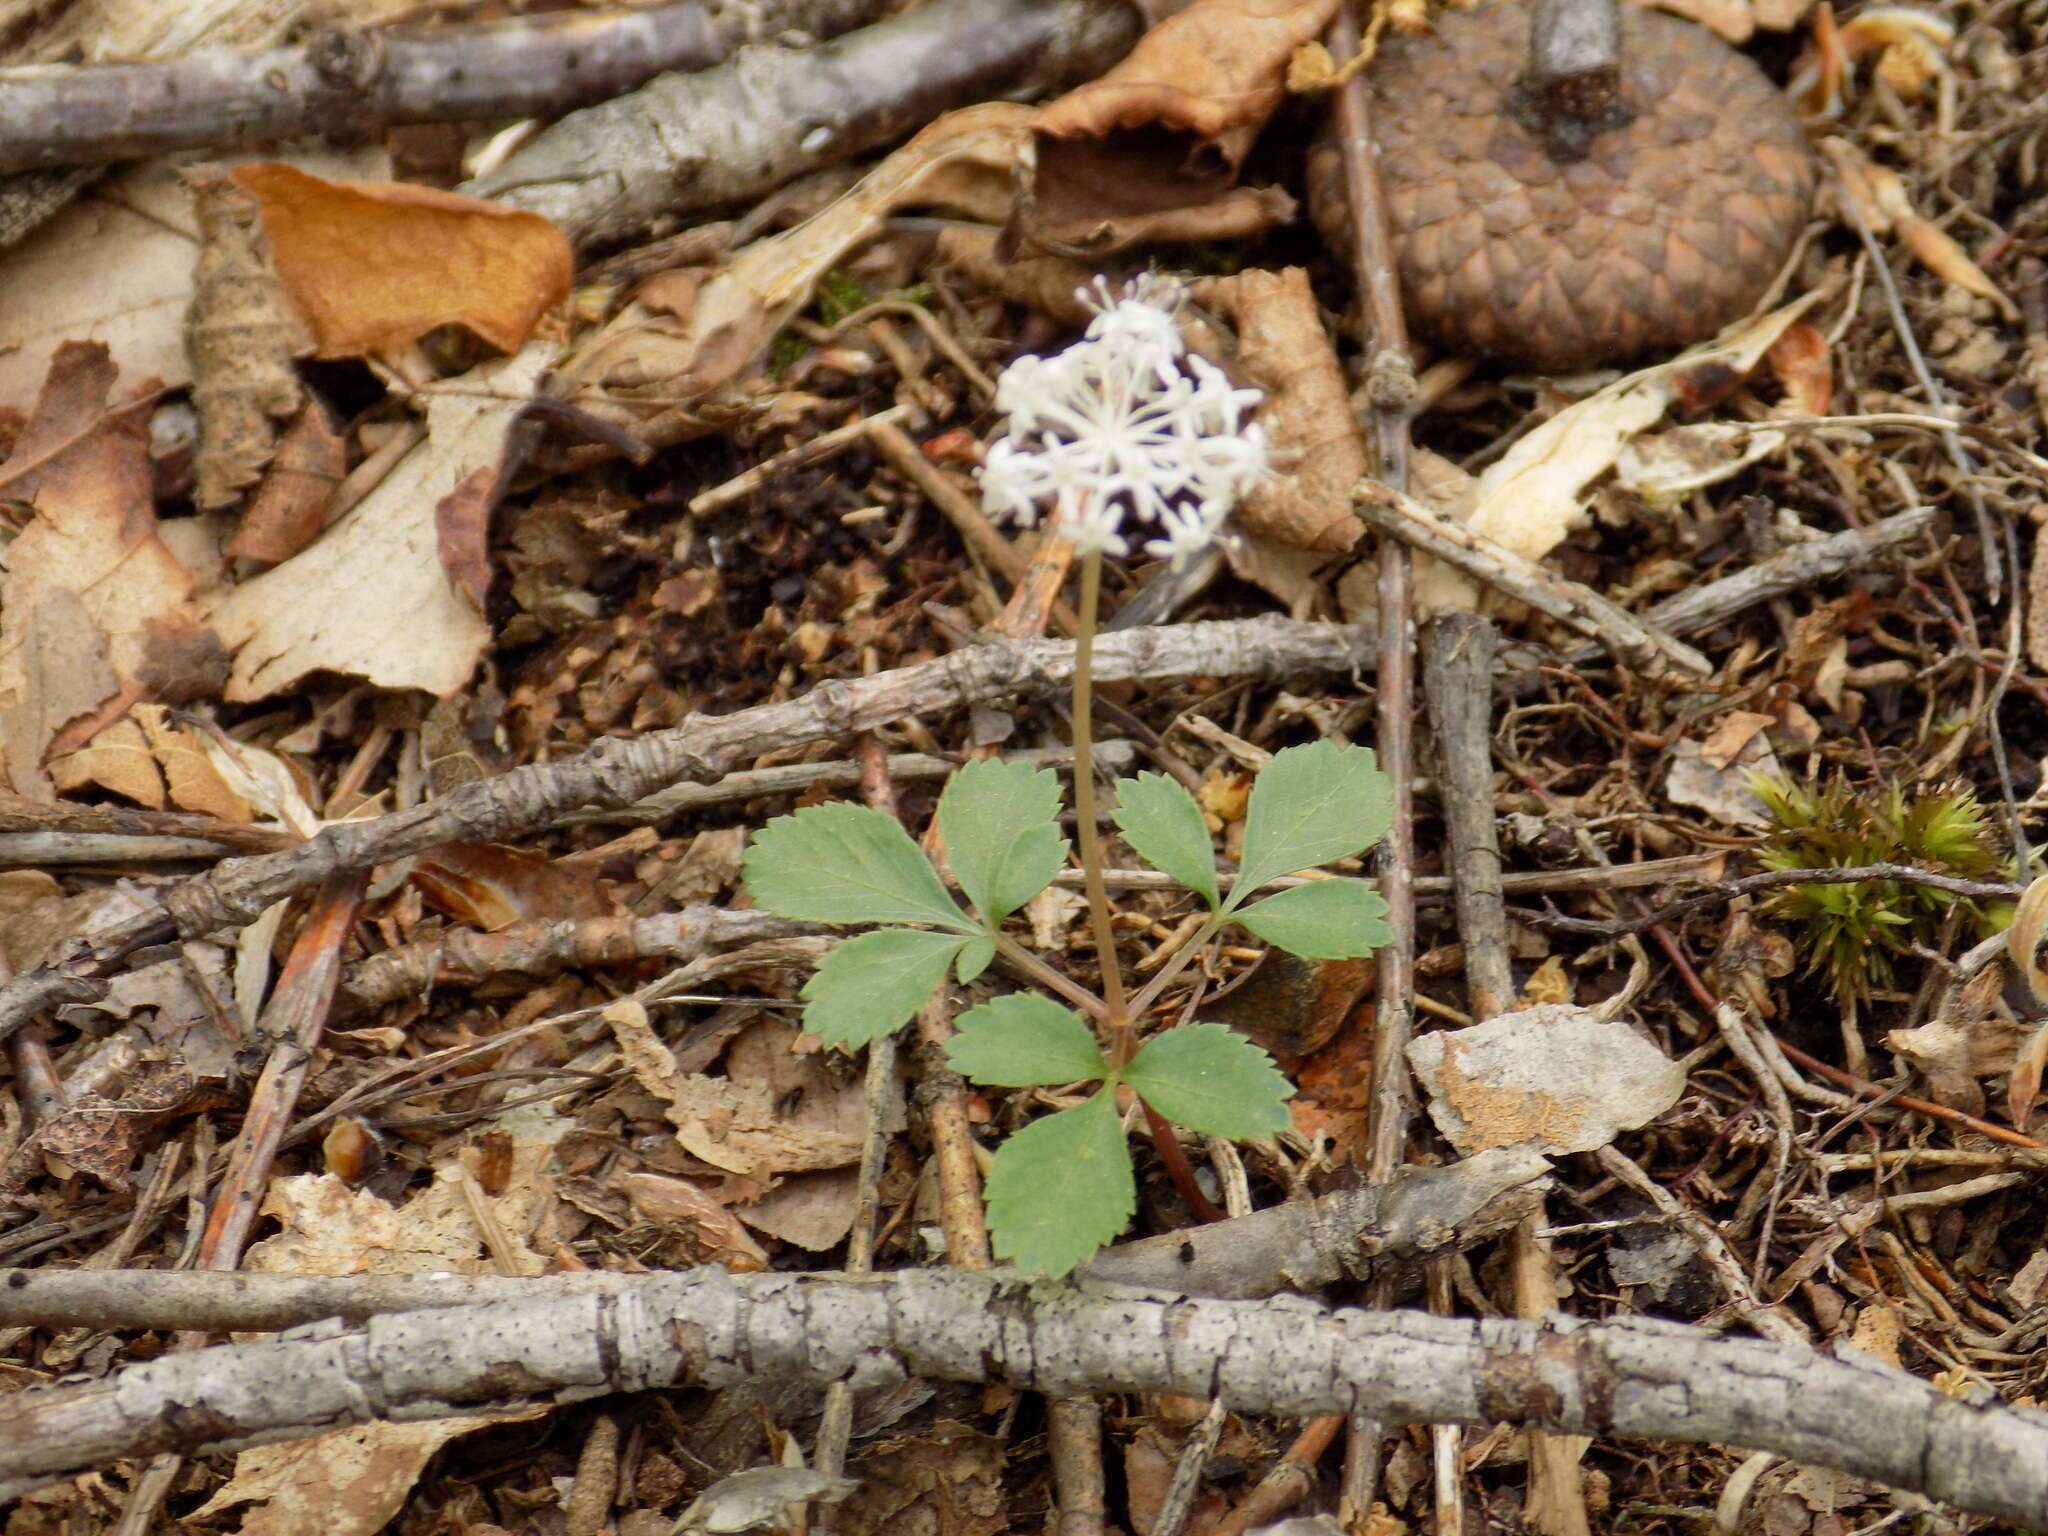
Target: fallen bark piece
(1354, 1234)
(1557, 1076)
(1283, 1356)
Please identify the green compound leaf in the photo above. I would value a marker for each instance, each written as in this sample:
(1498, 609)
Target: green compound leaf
(1061, 1188)
(1000, 821)
(1160, 819)
(1310, 805)
(867, 986)
(1324, 919)
(1024, 1040)
(846, 864)
(1211, 1080)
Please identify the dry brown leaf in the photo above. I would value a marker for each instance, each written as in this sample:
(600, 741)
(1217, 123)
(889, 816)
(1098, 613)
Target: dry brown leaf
(2023, 1088)
(1216, 66)
(1726, 742)
(669, 1201)
(731, 1125)
(154, 763)
(462, 533)
(373, 266)
(290, 507)
(369, 598)
(491, 887)
(89, 583)
(242, 335)
(1799, 359)
(2024, 937)
(1048, 284)
(1307, 415)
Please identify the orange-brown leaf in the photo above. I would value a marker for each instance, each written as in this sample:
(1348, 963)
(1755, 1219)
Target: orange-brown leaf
(374, 265)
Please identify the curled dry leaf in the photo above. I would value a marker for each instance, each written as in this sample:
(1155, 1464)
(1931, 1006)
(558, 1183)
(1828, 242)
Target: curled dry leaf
(290, 507)
(1149, 151)
(242, 335)
(1320, 455)
(1217, 67)
(490, 886)
(373, 266)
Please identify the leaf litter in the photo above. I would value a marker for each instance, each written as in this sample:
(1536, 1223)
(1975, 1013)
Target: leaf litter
(492, 543)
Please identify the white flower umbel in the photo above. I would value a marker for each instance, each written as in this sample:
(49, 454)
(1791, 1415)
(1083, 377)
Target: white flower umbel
(1124, 424)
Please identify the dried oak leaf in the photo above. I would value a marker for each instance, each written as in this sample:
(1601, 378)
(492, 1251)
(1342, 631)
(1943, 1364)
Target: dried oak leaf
(242, 335)
(374, 266)
(89, 582)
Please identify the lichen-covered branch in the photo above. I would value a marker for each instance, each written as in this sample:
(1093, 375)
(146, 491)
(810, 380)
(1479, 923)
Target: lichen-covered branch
(1284, 1356)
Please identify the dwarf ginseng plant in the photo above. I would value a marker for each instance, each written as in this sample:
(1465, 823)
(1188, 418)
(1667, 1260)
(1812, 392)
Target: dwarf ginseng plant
(1062, 1186)
(1121, 427)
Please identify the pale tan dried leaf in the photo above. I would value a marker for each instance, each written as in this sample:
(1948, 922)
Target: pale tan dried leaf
(373, 266)
(1530, 497)
(242, 335)
(369, 598)
(1940, 254)
(348, 1482)
(1318, 449)
(1731, 736)
(117, 759)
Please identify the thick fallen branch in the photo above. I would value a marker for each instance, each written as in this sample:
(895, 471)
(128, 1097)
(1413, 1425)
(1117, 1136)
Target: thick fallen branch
(348, 82)
(1286, 1356)
(681, 145)
(618, 771)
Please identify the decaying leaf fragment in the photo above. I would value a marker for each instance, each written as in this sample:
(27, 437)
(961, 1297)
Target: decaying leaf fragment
(1529, 498)
(1883, 203)
(373, 266)
(93, 598)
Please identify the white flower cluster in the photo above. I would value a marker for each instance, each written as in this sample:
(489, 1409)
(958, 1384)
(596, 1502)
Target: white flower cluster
(1124, 423)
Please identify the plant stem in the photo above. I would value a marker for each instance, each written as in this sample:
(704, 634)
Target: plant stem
(1049, 978)
(1118, 1017)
